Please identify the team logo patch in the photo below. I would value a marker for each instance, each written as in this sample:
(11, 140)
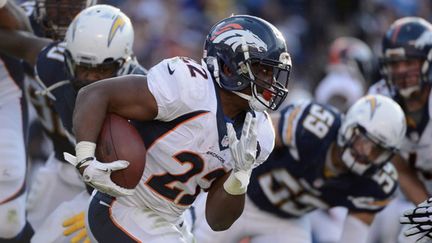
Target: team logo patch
(235, 35)
(117, 25)
(424, 40)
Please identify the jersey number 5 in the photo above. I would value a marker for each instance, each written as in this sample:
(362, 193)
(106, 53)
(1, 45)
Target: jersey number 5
(318, 121)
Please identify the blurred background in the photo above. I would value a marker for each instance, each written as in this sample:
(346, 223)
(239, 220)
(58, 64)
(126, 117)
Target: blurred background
(166, 28)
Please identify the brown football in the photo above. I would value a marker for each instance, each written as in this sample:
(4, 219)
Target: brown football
(119, 140)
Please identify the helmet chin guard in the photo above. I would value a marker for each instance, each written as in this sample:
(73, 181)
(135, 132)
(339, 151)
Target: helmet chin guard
(371, 132)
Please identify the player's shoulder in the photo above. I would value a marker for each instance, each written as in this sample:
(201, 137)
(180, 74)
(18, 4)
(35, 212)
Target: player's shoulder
(49, 67)
(182, 69)
(184, 78)
(308, 125)
(381, 88)
(181, 85)
(132, 66)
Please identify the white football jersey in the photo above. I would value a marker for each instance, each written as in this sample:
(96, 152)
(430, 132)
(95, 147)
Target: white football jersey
(419, 145)
(9, 89)
(187, 145)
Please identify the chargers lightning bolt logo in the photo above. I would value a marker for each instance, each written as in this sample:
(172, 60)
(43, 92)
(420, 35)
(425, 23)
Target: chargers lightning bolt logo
(373, 105)
(117, 25)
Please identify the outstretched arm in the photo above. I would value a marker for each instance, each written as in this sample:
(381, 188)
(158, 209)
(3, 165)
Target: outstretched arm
(226, 198)
(13, 17)
(17, 38)
(22, 45)
(409, 182)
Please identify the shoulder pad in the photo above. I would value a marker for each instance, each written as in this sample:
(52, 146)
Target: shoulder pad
(49, 59)
(308, 126)
(381, 88)
(182, 85)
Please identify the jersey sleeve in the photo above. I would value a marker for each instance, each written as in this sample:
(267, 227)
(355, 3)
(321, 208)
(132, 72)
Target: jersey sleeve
(51, 58)
(179, 86)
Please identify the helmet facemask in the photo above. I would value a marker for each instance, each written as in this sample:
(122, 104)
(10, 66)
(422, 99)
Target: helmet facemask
(407, 83)
(363, 153)
(56, 15)
(84, 73)
(248, 56)
(267, 79)
(408, 40)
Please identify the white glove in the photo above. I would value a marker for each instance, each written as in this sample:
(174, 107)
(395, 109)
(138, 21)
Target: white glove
(98, 175)
(243, 152)
(420, 218)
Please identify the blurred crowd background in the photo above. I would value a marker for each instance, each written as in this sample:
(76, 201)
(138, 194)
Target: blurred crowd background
(166, 28)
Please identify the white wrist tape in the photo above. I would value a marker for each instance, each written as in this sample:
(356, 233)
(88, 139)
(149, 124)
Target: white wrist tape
(234, 186)
(3, 3)
(84, 150)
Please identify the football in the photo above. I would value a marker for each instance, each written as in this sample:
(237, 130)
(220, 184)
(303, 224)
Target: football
(119, 140)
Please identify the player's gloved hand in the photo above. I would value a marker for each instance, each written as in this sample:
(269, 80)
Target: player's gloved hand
(76, 225)
(420, 218)
(98, 175)
(243, 152)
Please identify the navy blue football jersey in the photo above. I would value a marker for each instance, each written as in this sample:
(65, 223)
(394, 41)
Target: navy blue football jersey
(55, 96)
(294, 180)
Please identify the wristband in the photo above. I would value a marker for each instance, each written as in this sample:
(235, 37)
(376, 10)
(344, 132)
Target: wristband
(84, 150)
(234, 186)
(3, 3)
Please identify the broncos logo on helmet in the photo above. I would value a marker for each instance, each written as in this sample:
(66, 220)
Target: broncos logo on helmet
(239, 49)
(235, 37)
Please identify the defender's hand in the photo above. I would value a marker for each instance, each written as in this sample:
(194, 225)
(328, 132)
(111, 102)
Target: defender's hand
(76, 225)
(420, 218)
(243, 150)
(98, 175)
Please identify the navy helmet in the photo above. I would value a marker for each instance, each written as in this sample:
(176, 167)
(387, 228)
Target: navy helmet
(245, 51)
(408, 38)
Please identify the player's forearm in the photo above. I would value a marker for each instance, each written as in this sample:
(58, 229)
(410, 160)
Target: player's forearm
(222, 208)
(89, 113)
(22, 45)
(412, 187)
(12, 17)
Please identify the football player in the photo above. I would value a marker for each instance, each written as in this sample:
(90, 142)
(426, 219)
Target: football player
(349, 70)
(204, 127)
(13, 124)
(48, 18)
(321, 160)
(88, 59)
(407, 72)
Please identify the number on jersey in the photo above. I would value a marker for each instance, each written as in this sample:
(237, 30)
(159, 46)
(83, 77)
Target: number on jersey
(318, 121)
(288, 194)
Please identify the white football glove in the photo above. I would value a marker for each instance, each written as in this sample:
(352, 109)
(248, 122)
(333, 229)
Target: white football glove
(243, 152)
(98, 175)
(420, 218)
